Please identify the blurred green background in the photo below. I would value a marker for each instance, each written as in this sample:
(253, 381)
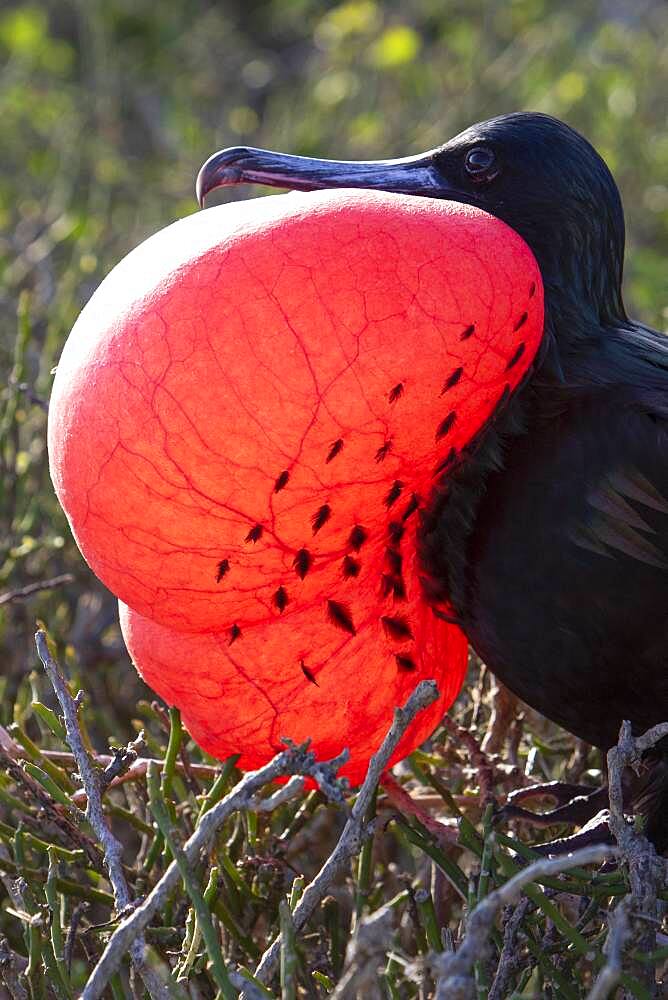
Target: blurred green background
(107, 109)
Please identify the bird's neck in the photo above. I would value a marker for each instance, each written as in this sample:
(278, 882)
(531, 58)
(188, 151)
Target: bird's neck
(564, 369)
(580, 357)
(448, 522)
(583, 354)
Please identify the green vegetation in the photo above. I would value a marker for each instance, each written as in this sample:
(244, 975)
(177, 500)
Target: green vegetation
(107, 109)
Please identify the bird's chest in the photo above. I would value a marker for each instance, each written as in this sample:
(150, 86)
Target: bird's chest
(558, 582)
(458, 516)
(494, 557)
(499, 535)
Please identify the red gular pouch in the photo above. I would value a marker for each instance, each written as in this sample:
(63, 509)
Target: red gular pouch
(302, 678)
(254, 405)
(246, 421)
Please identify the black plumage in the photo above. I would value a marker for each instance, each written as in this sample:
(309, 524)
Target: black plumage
(549, 538)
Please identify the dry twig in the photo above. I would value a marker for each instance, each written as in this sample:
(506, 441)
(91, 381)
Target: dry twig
(121, 762)
(293, 761)
(89, 775)
(454, 970)
(611, 972)
(504, 710)
(12, 972)
(405, 803)
(32, 588)
(64, 820)
(351, 839)
(152, 976)
(484, 767)
(366, 950)
(508, 960)
(647, 872)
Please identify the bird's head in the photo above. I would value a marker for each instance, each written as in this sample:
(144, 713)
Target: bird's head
(532, 171)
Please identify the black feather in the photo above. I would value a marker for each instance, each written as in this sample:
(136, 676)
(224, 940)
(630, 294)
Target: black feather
(339, 615)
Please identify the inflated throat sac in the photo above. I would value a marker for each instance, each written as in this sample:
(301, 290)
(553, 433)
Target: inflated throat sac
(246, 421)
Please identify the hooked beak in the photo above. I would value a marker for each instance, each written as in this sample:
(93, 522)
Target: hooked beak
(415, 175)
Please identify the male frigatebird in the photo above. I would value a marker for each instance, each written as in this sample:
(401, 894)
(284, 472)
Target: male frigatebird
(550, 539)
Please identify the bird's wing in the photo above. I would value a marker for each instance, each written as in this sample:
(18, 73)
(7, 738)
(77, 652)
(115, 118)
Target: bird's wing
(626, 508)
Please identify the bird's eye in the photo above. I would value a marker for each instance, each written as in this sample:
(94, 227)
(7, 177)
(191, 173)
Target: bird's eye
(480, 164)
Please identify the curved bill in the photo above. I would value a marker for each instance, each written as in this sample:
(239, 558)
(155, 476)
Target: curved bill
(246, 165)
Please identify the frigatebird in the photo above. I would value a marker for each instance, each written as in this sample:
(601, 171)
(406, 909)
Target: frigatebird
(550, 539)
